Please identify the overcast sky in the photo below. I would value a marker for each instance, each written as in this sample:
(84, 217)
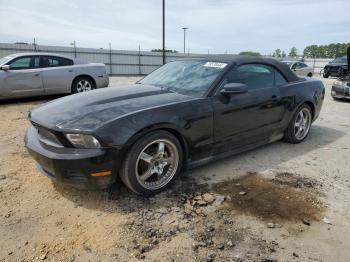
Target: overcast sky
(217, 25)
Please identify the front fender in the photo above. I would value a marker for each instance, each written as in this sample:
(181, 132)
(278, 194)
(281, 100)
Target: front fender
(192, 120)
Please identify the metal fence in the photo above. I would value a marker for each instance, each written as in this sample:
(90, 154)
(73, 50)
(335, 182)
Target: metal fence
(317, 64)
(118, 62)
(121, 62)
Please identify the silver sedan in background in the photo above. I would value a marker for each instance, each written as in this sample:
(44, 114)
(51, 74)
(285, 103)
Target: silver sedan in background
(299, 68)
(35, 74)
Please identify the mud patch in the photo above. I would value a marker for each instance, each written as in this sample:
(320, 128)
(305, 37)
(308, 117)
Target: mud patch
(275, 199)
(296, 181)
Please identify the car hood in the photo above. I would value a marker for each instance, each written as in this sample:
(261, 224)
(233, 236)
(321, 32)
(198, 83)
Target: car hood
(90, 110)
(336, 64)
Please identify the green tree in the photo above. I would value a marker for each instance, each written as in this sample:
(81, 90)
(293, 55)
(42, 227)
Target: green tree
(250, 53)
(277, 53)
(293, 52)
(283, 54)
(326, 51)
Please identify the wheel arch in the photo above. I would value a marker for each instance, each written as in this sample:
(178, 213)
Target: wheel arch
(312, 106)
(81, 76)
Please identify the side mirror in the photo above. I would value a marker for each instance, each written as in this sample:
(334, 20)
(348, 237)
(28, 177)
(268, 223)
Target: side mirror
(5, 67)
(234, 88)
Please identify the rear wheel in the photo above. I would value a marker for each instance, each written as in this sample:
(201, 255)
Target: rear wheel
(82, 84)
(152, 164)
(309, 74)
(299, 127)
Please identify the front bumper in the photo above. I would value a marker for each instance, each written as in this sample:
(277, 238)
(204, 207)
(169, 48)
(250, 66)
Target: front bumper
(71, 165)
(340, 92)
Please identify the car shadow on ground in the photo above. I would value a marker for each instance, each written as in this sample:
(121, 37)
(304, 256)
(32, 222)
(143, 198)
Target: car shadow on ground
(192, 182)
(340, 100)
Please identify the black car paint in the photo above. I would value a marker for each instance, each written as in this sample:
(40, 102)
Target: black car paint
(335, 69)
(208, 127)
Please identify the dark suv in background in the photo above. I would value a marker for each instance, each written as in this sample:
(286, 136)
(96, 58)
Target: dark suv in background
(341, 87)
(336, 68)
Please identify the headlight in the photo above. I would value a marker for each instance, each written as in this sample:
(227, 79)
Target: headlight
(338, 83)
(83, 141)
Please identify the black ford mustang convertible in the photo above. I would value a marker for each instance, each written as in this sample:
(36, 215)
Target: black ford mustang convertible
(186, 113)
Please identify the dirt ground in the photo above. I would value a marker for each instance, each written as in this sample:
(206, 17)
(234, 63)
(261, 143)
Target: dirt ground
(280, 202)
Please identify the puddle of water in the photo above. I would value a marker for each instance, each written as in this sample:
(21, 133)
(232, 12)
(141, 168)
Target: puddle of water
(265, 199)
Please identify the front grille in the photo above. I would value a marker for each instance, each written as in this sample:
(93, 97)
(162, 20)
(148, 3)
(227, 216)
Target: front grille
(338, 90)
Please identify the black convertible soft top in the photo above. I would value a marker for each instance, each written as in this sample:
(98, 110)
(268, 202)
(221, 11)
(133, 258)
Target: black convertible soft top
(239, 60)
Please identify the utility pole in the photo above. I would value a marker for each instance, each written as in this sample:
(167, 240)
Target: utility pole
(185, 28)
(110, 59)
(34, 43)
(164, 60)
(140, 60)
(75, 48)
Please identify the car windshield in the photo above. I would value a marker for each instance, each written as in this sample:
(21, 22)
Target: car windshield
(340, 60)
(5, 59)
(287, 63)
(185, 77)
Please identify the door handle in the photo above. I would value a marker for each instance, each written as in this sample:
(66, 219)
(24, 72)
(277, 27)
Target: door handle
(37, 74)
(70, 71)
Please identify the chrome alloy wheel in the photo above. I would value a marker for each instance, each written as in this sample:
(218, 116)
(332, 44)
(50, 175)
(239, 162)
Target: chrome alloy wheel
(157, 164)
(83, 86)
(302, 123)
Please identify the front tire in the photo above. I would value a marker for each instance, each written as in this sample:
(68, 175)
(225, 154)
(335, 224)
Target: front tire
(309, 74)
(325, 75)
(82, 84)
(299, 127)
(152, 163)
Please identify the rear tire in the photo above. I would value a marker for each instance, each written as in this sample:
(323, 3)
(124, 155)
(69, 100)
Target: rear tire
(152, 163)
(82, 84)
(309, 74)
(299, 127)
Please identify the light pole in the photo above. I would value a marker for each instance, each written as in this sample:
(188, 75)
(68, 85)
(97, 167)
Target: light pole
(185, 28)
(75, 48)
(164, 32)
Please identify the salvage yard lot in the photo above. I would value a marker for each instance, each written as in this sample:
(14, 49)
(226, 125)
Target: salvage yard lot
(280, 202)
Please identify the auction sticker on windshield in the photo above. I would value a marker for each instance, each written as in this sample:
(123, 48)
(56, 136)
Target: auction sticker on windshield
(214, 64)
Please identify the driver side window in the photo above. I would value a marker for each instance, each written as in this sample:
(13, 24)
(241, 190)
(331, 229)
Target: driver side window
(255, 76)
(21, 63)
(296, 66)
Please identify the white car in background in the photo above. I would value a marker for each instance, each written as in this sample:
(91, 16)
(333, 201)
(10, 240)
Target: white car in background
(299, 68)
(35, 74)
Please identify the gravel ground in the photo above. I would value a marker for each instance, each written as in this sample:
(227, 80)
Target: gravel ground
(280, 202)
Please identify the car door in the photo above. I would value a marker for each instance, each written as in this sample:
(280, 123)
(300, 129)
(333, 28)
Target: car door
(57, 74)
(250, 117)
(305, 69)
(23, 77)
(298, 70)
